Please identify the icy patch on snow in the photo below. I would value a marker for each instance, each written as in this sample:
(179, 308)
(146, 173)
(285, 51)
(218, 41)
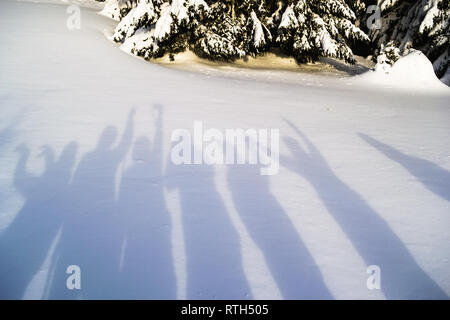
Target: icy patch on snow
(413, 71)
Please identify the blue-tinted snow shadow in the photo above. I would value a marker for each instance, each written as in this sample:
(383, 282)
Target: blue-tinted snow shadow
(375, 241)
(146, 269)
(8, 131)
(432, 176)
(290, 263)
(214, 268)
(6, 134)
(91, 233)
(121, 243)
(120, 240)
(26, 241)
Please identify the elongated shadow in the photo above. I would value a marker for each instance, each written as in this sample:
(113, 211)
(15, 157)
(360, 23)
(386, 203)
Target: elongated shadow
(213, 253)
(146, 267)
(6, 137)
(8, 131)
(92, 234)
(291, 265)
(6, 134)
(432, 176)
(402, 277)
(28, 238)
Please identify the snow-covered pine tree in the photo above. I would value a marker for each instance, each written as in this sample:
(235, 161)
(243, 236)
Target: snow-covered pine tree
(420, 24)
(258, 37)
(230, 29)
(156, 27)
(111, 9)
(233, 29)
(312, 28)
(144, 13)
(388, 55)
(117, 9)
(220, 35)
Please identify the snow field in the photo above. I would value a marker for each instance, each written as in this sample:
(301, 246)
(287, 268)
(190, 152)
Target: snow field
(363, 177)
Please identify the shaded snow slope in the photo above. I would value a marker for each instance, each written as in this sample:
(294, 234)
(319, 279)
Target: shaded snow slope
(85, 178)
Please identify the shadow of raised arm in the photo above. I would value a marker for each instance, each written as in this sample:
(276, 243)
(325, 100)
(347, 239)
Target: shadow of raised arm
(432, 176)
(369, 233)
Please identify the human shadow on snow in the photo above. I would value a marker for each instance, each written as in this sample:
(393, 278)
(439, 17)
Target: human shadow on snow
(291, 264)
(122, 240)
(146, 267)
(91, 234)
(26, 241)
(122, 243)
(375, 241)
(214, 268)
(432, 176)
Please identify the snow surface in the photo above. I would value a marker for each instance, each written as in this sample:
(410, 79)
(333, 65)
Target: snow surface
(413, 71)
(85, 180)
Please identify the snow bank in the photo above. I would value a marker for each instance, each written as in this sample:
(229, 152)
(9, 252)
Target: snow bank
(413, 71)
